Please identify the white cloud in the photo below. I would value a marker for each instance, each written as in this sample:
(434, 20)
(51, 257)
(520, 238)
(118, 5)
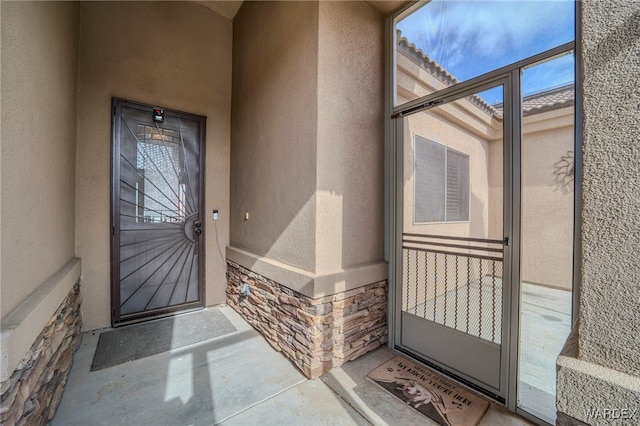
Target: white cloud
(472, 37)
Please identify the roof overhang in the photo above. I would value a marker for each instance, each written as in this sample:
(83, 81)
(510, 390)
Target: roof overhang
(229, 8)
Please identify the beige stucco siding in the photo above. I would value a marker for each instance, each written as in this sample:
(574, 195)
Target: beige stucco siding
(610, 294)
(274, 127)
(464, 127)
(413, 81)
(600, 364)
(455, 126)
(547, 205)
(175, 55)
(350, 154)
(307, 138)
(39, 53)
(432, 126)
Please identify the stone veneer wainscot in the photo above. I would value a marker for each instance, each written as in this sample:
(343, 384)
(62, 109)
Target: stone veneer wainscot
(316, 334)
(32, 394)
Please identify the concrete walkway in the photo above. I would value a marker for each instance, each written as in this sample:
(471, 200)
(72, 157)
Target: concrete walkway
(236, 379)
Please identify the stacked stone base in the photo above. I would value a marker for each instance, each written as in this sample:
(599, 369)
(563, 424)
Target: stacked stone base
(316, 334)
(32, 394)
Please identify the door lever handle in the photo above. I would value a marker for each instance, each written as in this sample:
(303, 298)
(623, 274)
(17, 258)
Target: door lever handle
(505, 241)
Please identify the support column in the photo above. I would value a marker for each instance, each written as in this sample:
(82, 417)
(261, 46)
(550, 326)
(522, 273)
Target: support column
(599, 369)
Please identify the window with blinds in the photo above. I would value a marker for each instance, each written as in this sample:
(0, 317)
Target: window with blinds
(441, 188)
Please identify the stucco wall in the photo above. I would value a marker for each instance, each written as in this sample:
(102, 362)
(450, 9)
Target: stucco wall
(600, 365)
(350, 163)
(171, 54)
(274, 127)
(432, 125)
(39, 52)
(547, 205)
(610, 293)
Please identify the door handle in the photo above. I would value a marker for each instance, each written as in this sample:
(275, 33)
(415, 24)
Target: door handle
(505, 241)
(197, 227)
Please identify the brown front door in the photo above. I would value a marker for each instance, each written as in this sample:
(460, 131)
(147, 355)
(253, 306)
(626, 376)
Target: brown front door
(157, 259)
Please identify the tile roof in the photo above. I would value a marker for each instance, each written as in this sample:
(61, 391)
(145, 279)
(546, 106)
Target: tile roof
(547, 100)
(426, 62)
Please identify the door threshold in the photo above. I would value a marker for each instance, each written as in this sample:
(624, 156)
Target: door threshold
(158, 316)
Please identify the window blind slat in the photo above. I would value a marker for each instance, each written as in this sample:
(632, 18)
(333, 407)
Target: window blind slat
(429, 181)
(441, 183)
(457, 186)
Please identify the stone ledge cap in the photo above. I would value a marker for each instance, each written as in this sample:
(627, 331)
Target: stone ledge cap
(583, 386)
(22, 325)
(308, 283)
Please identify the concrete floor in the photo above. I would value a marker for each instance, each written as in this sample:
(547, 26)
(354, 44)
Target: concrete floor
(545, 324)
(236, 379)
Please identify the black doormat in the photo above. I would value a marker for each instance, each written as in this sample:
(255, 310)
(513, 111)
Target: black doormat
(150, 338)
(440, 399)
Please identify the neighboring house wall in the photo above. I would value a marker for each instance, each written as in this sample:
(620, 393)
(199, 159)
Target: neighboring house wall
(600, 366)
(457, 136)
(307, 166)
(40, 308)
(452, 125)
(547, 205)
(547, 226)
(170, 54)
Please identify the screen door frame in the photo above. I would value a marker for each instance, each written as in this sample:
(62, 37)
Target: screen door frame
(510, 226)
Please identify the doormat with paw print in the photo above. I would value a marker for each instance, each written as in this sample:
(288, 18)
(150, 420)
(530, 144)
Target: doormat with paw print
(439, 399)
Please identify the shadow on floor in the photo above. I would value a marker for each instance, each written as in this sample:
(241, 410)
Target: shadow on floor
(236, 379)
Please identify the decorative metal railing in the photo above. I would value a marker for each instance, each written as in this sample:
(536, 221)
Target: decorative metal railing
(455, 282)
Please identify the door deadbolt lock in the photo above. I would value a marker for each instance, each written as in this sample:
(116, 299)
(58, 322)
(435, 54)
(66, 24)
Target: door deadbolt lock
(197, 227)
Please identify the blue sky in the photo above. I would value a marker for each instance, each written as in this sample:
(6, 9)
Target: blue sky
(472, 37)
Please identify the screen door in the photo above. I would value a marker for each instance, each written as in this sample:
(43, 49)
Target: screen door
(453, 236)
(157, 200)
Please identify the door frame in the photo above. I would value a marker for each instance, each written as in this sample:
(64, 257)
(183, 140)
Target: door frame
(116, 126)
(393, 188)
(510, 227)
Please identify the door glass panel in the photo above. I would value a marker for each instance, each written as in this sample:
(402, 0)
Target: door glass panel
(461, 40)
(547, 229)
(453, 209)
(163, 199)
